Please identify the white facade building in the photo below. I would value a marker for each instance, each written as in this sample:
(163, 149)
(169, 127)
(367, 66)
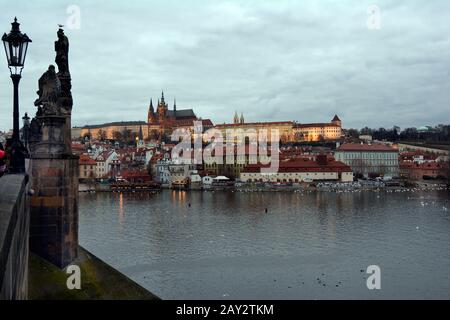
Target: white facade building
(369, 159)
(300, 170)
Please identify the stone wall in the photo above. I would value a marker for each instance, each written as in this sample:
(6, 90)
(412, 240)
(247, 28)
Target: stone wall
(54, 209)
(14, 231)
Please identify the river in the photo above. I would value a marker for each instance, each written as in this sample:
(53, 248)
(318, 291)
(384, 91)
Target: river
(224, 245)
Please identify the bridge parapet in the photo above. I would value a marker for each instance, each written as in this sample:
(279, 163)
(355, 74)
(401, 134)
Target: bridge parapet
(14, 235)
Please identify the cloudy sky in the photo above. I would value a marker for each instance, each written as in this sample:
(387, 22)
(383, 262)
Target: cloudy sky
(271, 60)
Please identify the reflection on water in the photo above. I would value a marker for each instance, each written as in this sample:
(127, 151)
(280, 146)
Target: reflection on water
(121, 210)
(213, 245)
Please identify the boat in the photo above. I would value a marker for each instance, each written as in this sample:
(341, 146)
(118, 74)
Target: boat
(180, 185)
(222, 182)
(124, 186)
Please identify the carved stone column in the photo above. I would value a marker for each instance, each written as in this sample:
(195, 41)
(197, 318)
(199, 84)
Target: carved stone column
(54, 205)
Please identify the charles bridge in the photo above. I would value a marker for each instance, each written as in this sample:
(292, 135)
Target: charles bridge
(39, 195)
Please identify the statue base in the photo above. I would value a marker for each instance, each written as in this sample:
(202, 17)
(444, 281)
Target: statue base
(54, 205)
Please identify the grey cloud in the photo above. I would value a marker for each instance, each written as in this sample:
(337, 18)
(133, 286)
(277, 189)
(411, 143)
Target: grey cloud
(272, 60)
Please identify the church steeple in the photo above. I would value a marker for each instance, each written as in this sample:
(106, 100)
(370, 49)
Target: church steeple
(242, 118)
(175, 107)
(151, 112)
(162, 108)
(141, 134)
(236, 118)
(150, 108)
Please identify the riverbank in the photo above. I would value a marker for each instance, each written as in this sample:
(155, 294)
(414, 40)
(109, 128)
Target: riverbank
(360, 186)
(99, 281)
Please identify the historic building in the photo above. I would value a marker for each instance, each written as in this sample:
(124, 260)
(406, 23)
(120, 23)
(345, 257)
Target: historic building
(242, 129)
(288, 131)
(369, 159)
(319, 131)
(162, 121)
(159, 125)
(110, 130)
(300, 170)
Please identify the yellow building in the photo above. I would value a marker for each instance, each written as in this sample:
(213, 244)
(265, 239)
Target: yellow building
(241, 129)
(108, 130)
(231, 165)
(319, 131)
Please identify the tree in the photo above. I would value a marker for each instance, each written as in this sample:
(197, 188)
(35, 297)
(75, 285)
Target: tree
(101, 135)
(353, 133)
(366, 131)
(409, 134)
(117, 135)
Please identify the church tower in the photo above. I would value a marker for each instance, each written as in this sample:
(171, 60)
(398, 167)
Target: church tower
(162, 108)
(140, 144)
(337, 121)
(236, 118)
(151, 118)
(242, 118)
(175, 108)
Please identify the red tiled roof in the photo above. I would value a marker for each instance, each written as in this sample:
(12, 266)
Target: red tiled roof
(86, 160)
(304, 165)
(424, 166)
(207, 122)
(366, 147)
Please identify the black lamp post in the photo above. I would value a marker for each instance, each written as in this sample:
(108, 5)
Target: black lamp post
(16, 45)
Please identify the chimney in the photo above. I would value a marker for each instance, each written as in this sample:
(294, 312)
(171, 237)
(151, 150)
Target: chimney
(322, 160)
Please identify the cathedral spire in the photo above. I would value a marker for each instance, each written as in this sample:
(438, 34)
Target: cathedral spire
(151, 112)
(151, 106)
(236, 118)
(175, 105)
(141, 134)
(242, 118)
(162, 96)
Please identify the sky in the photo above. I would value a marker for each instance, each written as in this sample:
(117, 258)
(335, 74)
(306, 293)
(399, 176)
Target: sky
(374, 63)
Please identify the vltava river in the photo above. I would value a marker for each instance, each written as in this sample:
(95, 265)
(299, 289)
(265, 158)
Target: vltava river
(224, 245)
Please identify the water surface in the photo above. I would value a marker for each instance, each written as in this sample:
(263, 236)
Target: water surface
(223, 245)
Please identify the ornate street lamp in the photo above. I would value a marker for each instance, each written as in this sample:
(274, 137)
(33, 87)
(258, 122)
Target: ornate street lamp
(16, 45)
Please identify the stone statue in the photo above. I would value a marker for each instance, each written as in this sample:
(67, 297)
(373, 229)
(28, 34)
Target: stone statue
(49, 87)
(62, 53)
(51, 126)
(49, 92)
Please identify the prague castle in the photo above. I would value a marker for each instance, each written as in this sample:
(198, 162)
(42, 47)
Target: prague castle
(319, 131)
(161, 121)
(160, 124)
(290, 131)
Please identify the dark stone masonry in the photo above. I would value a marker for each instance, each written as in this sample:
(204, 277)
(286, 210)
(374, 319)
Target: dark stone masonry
(14, 225)
(54, 205)
(39, 210)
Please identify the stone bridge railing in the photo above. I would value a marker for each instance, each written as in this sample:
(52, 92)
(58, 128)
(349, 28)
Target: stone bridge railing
(14, 235)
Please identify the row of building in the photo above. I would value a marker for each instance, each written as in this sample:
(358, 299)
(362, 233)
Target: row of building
(294, 164)
(161, 122)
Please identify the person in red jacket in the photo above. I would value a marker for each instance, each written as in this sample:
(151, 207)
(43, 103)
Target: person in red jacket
(2, 160)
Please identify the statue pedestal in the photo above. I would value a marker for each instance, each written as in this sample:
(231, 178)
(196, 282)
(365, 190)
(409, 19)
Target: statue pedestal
(54, 205)
(52, 142)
